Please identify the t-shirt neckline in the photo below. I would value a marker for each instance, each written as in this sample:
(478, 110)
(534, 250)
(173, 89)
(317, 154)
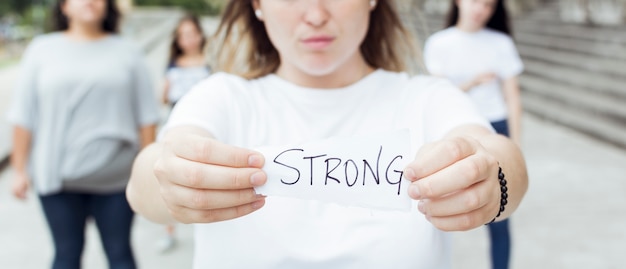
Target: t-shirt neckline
(325, 95)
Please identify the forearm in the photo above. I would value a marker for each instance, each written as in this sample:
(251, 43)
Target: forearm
(147, 135)
(21, 149)
(467, 86)
(515, 122)
(514, 105)
(143, 190)
(166, 91)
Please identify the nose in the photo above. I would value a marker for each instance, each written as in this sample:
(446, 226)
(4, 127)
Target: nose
(316, 14)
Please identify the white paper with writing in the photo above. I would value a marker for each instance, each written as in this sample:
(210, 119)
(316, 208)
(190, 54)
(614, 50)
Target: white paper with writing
(361, 171)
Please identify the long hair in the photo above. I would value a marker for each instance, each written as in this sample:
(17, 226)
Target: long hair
(245, 49)
(109, 24)
(499, 20)
(175, 50)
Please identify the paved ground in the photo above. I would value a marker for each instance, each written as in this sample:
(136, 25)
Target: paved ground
(574, 213)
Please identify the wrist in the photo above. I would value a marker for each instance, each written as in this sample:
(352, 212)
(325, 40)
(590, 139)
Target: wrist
(20, 171)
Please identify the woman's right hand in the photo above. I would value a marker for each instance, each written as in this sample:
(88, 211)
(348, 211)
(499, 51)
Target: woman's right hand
(21, 185)
(478, 80)
(202, 180)
(484, 78)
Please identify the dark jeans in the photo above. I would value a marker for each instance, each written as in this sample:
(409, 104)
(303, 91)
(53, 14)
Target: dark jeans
(67, 213)
(499, 231)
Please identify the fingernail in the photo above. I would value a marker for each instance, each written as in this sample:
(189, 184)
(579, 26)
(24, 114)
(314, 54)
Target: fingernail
(258, 204)
(257, 179)
(420, 207)
(254, 160)
(409, 174)
(414, 192)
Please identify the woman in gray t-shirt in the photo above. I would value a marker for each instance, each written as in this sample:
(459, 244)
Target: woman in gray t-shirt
(83, 107)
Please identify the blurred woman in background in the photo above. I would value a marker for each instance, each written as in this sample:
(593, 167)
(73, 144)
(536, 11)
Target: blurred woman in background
(187, 62)
(83, 107)
(476, 52)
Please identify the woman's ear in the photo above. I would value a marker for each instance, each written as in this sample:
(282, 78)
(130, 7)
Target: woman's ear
(256, 6)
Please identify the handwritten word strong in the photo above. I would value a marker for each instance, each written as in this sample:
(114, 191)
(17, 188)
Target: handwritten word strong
(350, 172)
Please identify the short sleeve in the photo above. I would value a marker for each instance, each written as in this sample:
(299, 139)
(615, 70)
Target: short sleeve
(510, 62)
(205, 106)
(433, 58)
(447, 107)
(146, 106)
(23, 110)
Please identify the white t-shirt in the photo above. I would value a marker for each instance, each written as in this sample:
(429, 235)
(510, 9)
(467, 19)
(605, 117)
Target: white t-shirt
(294, 233)
(182, 79)
(461, 56)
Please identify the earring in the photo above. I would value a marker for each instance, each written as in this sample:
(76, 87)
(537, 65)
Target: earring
(258, 13)
(372, 3)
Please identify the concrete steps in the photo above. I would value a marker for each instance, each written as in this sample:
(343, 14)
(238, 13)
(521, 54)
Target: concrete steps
(599, 83)
(579, 120)
(575, 75)
(609, 66)
(603, 106)
(583, 46)
(560, 29)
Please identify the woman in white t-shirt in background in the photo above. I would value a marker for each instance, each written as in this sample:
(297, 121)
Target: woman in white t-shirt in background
(307, 70)
(476, 52)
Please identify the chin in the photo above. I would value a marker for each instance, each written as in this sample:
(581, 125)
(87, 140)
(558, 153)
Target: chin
(318, 71)
(319, 68)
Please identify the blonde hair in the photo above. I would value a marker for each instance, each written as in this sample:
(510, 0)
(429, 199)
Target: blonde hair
(244, 48)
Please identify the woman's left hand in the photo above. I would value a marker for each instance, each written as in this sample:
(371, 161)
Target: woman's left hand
(456, 183)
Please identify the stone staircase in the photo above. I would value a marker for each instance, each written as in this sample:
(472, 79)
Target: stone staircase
(575, 75)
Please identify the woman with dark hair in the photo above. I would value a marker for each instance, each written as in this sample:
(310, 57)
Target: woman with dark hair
(187, 66)
(303, 71)
(476, 52)
(187, 62)
(83, 107)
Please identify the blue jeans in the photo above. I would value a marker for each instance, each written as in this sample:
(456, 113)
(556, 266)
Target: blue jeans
(67, 213)
(499, 231)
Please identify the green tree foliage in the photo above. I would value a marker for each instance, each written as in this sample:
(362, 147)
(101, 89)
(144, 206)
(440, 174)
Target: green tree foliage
(212, 7)
(15, 6)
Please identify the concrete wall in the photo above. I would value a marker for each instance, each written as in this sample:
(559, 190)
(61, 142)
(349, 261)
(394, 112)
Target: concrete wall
(515, 7)
(597, 12)
(594, 12)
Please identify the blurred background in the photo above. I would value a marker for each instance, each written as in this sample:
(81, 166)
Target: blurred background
(574, 138)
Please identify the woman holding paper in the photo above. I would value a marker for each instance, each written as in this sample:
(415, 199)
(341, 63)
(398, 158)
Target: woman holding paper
(313, 70)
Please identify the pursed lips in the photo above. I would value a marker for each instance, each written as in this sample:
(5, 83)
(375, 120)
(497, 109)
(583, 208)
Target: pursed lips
(318, 42)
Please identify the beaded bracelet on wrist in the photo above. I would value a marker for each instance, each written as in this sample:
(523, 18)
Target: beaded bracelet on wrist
(503, 194)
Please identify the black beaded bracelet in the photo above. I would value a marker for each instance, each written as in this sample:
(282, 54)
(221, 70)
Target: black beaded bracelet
(503, 194)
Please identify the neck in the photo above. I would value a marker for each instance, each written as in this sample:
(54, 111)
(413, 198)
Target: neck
(468, 27)
(192, 53)
(85, 32)
(345, 75)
